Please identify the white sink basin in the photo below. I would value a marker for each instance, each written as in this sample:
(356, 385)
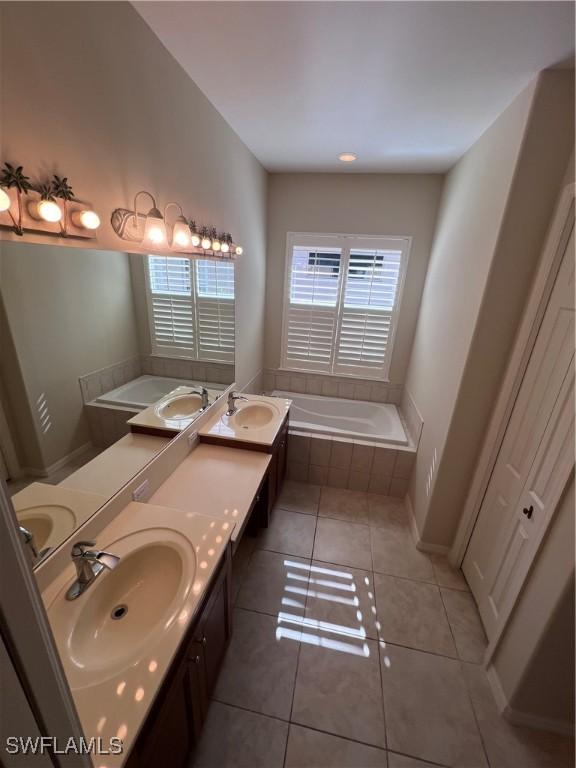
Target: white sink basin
(180, 407)
(254, 415)
(106, 628)
(41, 521)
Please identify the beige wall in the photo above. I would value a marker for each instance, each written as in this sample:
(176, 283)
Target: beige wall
(496, 208)
(365, 204)
(535, 658)
(89, 91)
(69, 312)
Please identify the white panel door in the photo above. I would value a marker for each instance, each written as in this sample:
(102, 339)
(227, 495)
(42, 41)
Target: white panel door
(534, 462)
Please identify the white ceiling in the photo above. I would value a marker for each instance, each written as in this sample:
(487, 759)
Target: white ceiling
(407, 86)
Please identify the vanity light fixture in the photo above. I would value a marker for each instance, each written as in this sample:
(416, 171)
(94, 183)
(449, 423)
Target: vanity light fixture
(154, 231)
(39, 207)
(206, 242)
(181, 234)
(216, 244)
(46, 208)
(195, 235)
(347, 157)
(86, 218)
(154, 226)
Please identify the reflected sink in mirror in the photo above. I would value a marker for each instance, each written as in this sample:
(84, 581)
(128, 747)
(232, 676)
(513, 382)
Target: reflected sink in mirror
(254, 415)
(179, 407)
(121, 613)
(51, 513)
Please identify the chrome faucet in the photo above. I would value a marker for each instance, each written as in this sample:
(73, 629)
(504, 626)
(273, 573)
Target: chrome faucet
(204, 394)
(89, 565)
(232, 397)
(27, 537)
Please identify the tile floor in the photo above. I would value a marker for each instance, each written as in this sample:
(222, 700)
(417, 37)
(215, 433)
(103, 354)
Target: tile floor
(352, 649)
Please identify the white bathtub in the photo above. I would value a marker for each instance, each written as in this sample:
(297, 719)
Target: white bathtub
(352, 419)
(146, 390)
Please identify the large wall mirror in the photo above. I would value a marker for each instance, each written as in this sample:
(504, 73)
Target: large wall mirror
(105, 356)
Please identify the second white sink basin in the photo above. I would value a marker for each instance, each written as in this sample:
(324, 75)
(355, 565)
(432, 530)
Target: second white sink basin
(254, 415)
(180, 407)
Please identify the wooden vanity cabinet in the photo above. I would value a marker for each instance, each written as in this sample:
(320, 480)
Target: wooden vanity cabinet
(173, 726)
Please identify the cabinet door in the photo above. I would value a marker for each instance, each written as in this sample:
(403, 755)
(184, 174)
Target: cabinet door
(215, 632)
(169, 736)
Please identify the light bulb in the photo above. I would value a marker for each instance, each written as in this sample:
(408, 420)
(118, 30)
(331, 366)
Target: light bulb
(216, 244)
(206, 243)
(49, 210)
(239, 250)
(154, 229)
(87, 219)
(195, 240)
(225, 247)
(181, 234)
(4, 200)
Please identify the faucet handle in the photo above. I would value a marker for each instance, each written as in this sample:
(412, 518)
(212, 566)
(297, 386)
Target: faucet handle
(79, 547)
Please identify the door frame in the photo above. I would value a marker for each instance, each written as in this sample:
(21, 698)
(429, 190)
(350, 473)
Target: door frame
(547, 271)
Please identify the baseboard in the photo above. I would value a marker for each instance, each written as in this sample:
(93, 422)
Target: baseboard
(524, 719)
(423, 546)
(47, 471)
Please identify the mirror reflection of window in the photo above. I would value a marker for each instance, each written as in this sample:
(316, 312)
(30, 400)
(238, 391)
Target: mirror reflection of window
(191, 308)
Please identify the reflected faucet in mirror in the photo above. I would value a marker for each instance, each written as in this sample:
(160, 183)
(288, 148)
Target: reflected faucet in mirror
(27, 537)
(90, 563)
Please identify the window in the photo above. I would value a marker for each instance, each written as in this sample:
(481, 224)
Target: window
(191, 307)
(342, 299)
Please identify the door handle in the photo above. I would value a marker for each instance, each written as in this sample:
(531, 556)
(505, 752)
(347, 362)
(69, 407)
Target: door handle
(528, 512)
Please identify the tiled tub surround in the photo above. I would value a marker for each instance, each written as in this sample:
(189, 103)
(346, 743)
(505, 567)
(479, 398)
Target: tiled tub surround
(316, 679)
(332, 386)
(357, 465)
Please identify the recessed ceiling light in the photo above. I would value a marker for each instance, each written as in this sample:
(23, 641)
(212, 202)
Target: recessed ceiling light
(347, 157)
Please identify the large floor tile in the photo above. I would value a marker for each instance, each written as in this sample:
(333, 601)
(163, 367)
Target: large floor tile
(300, 497)
(447, 575)
(342, 596)
(338, 688)
(341, 504)
(291, 533)
(394, 553)
(411, 613)
(271, 579)
(428, 710)
(343, 543)
(312, 749)
(466, 625)
(511, 746)
(387, 512)
(250, 740)
(259, 670)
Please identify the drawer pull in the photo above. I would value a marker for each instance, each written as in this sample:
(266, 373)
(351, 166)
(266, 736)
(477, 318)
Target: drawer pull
(197, 660)
(204, 641)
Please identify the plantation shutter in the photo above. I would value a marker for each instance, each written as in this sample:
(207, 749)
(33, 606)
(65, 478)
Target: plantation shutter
(342, 303)
(369, 298)
(215, 310)
(311, 320)
(171, 308)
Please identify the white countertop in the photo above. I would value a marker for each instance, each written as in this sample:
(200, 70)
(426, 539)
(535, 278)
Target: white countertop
(149, 417)
(117, 465)
(115, 704)
(216, 481)
(225, 427)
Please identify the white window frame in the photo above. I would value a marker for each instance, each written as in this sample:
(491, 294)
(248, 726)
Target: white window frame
(187, 353)
(345, 243)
